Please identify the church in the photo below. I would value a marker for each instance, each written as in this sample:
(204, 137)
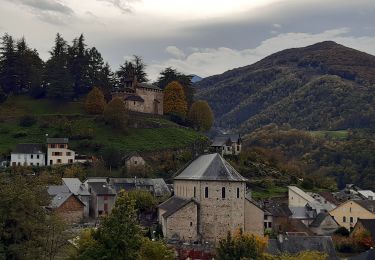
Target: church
(209, 200)
(141, 97)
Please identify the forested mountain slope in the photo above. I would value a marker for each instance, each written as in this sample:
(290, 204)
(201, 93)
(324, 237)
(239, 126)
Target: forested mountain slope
(323, 86)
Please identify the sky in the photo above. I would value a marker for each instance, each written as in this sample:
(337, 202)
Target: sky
(202, 37)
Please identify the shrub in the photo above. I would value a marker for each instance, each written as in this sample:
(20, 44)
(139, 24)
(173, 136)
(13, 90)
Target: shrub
(19, 134)
(27, 121)
(342, 232)
(95, 102)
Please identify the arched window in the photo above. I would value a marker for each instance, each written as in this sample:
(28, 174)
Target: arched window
(238, 193)
(344, 219)
(206, 192)
(223, 192)
(195, 192)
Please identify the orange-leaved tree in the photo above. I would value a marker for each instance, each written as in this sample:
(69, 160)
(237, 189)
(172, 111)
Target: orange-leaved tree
(95, 102)
(174, 99)
(201, 116)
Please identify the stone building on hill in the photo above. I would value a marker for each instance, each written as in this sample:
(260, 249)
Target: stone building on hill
(141, 97)
(209, 200)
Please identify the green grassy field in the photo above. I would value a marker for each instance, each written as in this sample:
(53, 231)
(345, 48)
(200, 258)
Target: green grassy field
(70, 120)
(269, 193)
(338, 135)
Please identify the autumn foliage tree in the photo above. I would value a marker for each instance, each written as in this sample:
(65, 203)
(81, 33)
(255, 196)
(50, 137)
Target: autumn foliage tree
(174, 100)
(115, 114)
(95, 102)
(201, 115)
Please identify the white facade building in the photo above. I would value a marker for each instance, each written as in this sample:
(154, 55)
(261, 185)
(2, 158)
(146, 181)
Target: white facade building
(28, 155)
(58, 152)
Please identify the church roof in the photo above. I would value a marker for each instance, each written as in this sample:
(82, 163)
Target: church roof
(210, 167)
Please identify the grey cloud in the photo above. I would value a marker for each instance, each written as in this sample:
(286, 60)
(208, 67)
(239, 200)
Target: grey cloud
(123, 5)
(46, 6)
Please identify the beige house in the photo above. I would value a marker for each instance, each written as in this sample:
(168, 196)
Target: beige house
(134, 161)
(58, 152)
(348, 213)
(209, 200)
(141, 97)
(227, 144)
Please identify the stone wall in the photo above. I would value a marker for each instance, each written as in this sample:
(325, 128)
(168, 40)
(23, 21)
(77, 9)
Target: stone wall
(149, 96)
(183, 223)
(254, 217)
(71, 210)
(134, 106)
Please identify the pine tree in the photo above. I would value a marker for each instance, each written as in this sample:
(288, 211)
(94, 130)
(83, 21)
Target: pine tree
(174, 100)
(131, 69)
(95, 102)
(59, 81)
(8, 77)
(201, 115)
(78, 65)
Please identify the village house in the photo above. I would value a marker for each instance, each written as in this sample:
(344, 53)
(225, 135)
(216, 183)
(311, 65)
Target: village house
(324, 224)
(103, 197)
(157, 187)
(67, 205)
(141, 97)
(227, 144)
(276, 216)
(76, 187)
(28, 155)
(209, 200)
(133, 161)
(306, 206)
(348, 213)
(58, 152)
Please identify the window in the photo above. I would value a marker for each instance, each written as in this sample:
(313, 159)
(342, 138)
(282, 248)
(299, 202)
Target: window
(269, 224)
(58, 160)
(344, 219)
(61, 146)
(265, 217)
(50, 162)
(265, 224)
(206, 192)
(68, 153)
(191, 224)
(351, 219)
(37, 156)
(37, 164)
(31, 164)
(19, 164)
(135, 162)
(195, 192)
(223, 192)
(32, 156)
(53, 145)
(134, 103)
(238, 148)
(70, 161)
(238, 193)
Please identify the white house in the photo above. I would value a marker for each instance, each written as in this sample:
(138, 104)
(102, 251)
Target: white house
(58, 152)
(227, 144)
(28, 155)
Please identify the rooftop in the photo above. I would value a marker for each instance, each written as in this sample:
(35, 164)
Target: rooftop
(210, 167)
(149, 86)
(29, 149)
(102, 188)
(367, 204)
(75, 186)
(173, 204)
(57, 140)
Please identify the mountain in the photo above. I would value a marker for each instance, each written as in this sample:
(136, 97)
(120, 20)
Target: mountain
(325, 86)
(195, 78)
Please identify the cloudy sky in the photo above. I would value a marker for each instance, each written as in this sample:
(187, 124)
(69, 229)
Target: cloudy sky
(203, 37)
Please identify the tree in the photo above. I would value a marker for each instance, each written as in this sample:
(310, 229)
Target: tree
(305, 255)
(79, 67)
(112, 157)
(59, 80)
(241, 246)
(131, 70)
(174, 100)
(95, 102)
(118, 237)
(155, 250)
(201, 115)
(168, 75)
(143, 200)
(115, 114)
(8, 75)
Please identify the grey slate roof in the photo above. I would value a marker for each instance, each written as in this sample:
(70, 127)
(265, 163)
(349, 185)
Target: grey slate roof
(319, 219)
(210, 167)
(57, 140)
(173, 204)
(59, 199)
(102, 188)
(29, 149)
(279, 210)
(367, 204)
(149, 86)
(158, 186)
(135, 98)
(296, 244)
(57, 189)
(75, 186)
